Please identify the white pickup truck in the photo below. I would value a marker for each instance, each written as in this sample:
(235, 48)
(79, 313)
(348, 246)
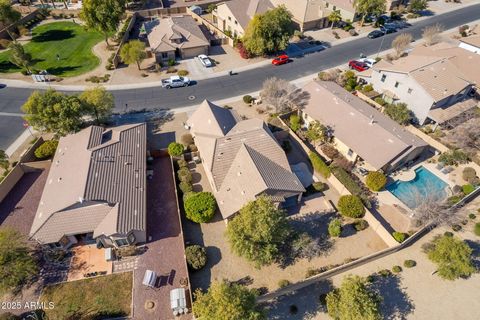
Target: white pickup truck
(175, 82)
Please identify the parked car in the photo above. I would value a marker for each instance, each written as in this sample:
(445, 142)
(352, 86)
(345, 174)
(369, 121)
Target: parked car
(357, 65)
(375, 34)
(387, 30)
(282, 59)
(368, 62)
(207, 63)
(175, 82)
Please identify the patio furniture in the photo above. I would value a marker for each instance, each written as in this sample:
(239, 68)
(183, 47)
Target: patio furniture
(439, 166)
(150, 279)
(178, 302)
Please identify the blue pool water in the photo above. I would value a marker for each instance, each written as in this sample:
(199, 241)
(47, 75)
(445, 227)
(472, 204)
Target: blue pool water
(413, 192)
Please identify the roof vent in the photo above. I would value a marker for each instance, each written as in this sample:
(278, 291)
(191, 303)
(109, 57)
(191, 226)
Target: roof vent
(80, 199)
(127, 163)
(59, 179)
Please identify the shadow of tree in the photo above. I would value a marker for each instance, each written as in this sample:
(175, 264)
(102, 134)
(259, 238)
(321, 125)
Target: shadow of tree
(396, 304)
(53, 35)
(475, 245)
(61, 70)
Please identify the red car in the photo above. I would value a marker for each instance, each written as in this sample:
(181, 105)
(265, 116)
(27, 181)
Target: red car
(280, 60)
(358, 65)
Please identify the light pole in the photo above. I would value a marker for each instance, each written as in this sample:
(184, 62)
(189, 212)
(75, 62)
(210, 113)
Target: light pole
(381, 44)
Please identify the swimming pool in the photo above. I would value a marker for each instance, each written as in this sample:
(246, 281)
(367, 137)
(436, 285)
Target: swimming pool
(413, 192)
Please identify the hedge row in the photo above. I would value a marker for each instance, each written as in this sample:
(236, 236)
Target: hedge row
(319, 165)
(351, 185)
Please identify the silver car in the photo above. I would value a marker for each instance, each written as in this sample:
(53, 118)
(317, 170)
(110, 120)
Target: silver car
(207, 63)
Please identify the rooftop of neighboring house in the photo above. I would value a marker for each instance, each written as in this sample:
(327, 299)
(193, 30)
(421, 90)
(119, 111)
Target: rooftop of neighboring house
(472, 40)
(169, 33)
(243, 157)
(346, 5)
(302, 10)
(436, 74)
(96, 183)
(369, 133)
(244, 10)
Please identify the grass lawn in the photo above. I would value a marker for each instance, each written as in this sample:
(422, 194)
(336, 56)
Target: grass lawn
(95, 298)
(69, 40)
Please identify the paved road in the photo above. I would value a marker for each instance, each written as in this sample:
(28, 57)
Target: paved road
(244, 82)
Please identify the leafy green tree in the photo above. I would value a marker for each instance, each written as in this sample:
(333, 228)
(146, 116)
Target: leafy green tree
(175, 149)
(133, 52)
(354, 300)
(375, 180)
(200, 206)
(335, 227)
(19, 57)
(103, 15)
(452, 256)
(99, 102)
(269, 32)
(316, 132)
(46, 149)
(335, 17)
(366, 7)
(351, 206)
(227, 301)
(258, 231)
(417, 5)
(196, 256)
(4, 163)
(17, 263)
(51, 111)
(8, 15)
(399, 113)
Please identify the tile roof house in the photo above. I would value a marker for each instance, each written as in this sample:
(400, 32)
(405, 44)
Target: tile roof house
(435, 82)
(234, 15)
(96, 189)
(360, 131)
(242, 159)
(176, 36)
(471, 43)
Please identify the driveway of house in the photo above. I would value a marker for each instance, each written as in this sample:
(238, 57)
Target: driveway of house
(165, 251)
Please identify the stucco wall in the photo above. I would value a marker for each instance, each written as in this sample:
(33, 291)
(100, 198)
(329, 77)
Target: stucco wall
(223, 13)
(10, 180)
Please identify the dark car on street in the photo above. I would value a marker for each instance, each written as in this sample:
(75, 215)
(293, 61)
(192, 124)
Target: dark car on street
(388, 29)
(375, 34)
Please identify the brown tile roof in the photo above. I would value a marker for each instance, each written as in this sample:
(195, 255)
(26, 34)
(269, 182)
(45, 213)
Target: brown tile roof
(244, 162)
(373, 136)
(244, 10)
(161, 33)
(102, 170)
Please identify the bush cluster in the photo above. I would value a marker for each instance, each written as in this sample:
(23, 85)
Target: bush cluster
(330, 151)
(360, 224)
(97, 79)
(200, 206)
(182, 73)
(409, 263)
(453, 157)
(196, 256)
(283, 283)
(295, 122)
(348, 181)
(319, 165)
(247, 99)
(396, 269)
(476, 229)
(399, 236)
(319, 186)
(376, 180)
(46, 149)
(470, 175)
(467, 189)
(184, 175)
(351, 206)
(335, 227)
(175, 149)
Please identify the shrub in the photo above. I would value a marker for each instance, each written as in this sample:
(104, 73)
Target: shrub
(453, 200)
(171, 62)
(243, 51)
(283, 283)
(384, 272)
(46, 149)
(182, 73)
(171, 70)
(476, 229)
(376, 180)
(360, 224)
(456, 227)
(4, 43)
(186, 139)
(335, 227)
(448, 234)
(453, 157)
(469, 174)
(380, 101)
(295, 122)
(349, 183)
(185, 187)
(319, 186)
(182, 163)
(467, 189)
(192, 148)
(397, 269)
(330, 151)
(247, 99)
(196, 256)
(399, 236)
(175, 149)
(351, 206)
(409, 263)
(319, 165)
(312, 272)
(368, 88)
(184, 175)
(341, 162)
(472, 216)
(200, 207)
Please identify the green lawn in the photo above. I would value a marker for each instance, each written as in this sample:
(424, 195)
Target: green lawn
(69, 40)
(94, 298)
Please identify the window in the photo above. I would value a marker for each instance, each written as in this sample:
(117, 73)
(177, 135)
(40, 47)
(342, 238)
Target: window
(121, 242)
(396, 84)
(327, 4)
(236, 22)
(164, 55)
(410, 90)
(334, 8)
(384, 76)
(229, 18)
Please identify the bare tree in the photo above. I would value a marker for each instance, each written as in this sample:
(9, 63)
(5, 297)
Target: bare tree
(432, 210)
(329, 75)
(401, 43)
(431, 34)
(282, 96)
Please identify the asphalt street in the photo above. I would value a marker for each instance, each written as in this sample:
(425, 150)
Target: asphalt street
(244, 82)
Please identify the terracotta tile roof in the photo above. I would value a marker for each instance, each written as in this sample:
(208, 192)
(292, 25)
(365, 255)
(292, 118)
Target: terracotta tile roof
(244, 10)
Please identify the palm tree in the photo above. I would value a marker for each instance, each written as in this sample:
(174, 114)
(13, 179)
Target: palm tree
(19, 57)
(335, 17)
(8, 15)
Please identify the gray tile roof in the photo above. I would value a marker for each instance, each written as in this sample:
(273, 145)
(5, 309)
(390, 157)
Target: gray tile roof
(95, 166)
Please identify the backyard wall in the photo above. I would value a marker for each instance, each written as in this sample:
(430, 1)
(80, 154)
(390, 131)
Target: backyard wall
(432, 142)
(211, 27)
(28, 17)
(116, 58)
(10, 181)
